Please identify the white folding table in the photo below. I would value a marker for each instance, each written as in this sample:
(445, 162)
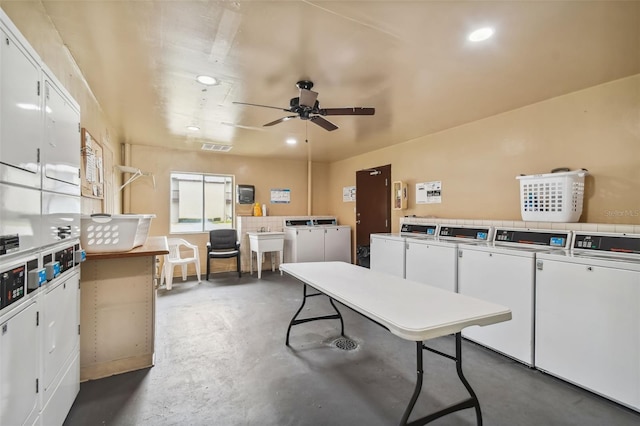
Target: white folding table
(410, 310)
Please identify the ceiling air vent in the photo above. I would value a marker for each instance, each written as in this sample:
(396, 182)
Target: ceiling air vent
(217, 148)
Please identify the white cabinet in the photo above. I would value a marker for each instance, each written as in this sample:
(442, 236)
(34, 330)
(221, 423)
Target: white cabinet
(61, 147)
(21, 127)
(19, 365)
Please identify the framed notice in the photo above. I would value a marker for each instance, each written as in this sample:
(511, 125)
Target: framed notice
(280, 196)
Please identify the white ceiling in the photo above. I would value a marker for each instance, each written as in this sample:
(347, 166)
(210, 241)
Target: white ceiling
(408, 59)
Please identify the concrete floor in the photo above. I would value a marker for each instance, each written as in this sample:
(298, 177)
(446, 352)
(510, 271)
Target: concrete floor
(221, 360)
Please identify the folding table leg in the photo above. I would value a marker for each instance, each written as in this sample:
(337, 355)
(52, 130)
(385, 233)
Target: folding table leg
(471, 402)
(295, 321)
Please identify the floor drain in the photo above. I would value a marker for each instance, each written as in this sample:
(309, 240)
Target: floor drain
(345, 344)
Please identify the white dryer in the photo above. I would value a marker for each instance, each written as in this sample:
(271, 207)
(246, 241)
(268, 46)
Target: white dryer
(588, 315)
(435, 261)
(504, 272)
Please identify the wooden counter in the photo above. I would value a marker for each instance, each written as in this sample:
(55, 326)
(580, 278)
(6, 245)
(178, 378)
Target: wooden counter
(117, 310)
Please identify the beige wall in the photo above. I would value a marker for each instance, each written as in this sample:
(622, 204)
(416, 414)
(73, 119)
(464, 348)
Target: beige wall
(262, 173)
(29, 17)
(597, 129)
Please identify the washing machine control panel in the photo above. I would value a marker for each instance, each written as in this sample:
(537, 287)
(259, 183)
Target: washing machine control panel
(12, 282)
(480, 234)
(558, 239)
(419, 229)
(626, 244)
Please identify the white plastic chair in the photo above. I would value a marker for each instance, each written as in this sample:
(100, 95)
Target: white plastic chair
(174, 258)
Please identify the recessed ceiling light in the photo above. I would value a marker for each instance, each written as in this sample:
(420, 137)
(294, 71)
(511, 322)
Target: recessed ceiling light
(292, 141)
(481, 34)
(207, 80)
(193, 128)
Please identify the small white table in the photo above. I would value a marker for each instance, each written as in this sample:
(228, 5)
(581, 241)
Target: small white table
(263, 242)
(410, 310)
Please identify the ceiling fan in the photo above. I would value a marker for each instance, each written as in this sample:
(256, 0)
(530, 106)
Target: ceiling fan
(307, 107)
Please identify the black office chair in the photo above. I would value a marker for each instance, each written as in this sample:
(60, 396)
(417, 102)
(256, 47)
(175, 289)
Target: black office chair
(223, 244)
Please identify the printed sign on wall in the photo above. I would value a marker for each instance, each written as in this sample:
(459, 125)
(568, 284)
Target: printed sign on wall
(429, 192)
(280, 196)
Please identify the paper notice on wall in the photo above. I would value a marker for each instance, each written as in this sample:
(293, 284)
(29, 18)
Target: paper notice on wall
(348, 193)
(429, 192)
(280, 196)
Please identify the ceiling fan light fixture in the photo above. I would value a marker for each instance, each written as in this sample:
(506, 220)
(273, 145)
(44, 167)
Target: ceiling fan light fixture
(481, 34)
(207, 80)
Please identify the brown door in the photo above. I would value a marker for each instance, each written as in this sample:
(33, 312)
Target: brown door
(373, 208)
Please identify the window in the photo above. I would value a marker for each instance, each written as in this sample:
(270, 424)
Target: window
(201, 202)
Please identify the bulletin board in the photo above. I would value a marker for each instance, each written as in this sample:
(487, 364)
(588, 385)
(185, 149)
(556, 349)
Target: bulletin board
(92, 168)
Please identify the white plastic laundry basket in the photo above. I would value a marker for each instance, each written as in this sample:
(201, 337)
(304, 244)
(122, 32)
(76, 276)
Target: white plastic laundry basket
(103, 233)
(552, 197)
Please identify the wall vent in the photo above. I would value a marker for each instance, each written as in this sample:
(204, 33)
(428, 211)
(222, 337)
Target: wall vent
(214, 147)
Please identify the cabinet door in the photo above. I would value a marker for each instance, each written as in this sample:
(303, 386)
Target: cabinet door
(588, 327)
(60, 327)
(19, 355)
(61, 149)
(21, 126)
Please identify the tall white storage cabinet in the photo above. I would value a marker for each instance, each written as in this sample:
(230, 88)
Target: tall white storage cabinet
(39, 238)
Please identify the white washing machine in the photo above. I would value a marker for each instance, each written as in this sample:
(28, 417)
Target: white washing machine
(435, 261)
(387, 250)
(415, 268)
(504, 273)
(588, 315)
(337, 240)
(301, 243)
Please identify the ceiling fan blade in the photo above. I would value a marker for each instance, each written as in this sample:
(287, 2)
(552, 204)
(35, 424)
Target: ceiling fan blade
(327, 125)
(308, 98)
(280, 120)
(263, 106)
(348, 111)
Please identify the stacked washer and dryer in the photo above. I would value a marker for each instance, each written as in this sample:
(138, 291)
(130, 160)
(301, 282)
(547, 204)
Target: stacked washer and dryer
(39, 238)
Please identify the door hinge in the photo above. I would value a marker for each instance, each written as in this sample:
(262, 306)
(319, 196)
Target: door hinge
(78, 127)
(78, 329)
(38, 89)
(386, 223)
(4, 328)
(38, 155)
(539, 264)
(37, 385)
(386, 182)
(37, 318)
(459, 253)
